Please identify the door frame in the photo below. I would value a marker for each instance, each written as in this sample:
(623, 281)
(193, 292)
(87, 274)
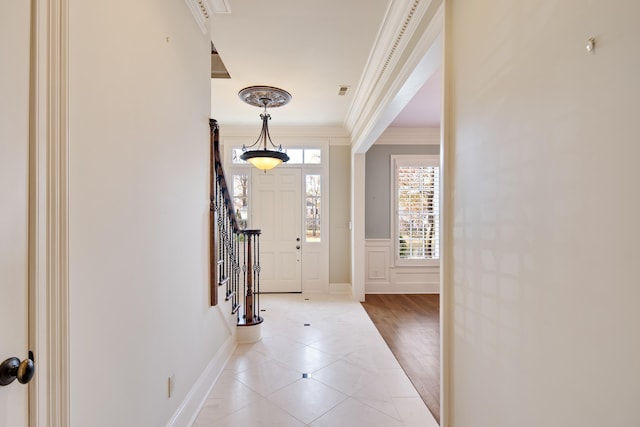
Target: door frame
(234, 138)
(49, 394)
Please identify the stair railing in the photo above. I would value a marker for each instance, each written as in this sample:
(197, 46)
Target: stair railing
(234, 251)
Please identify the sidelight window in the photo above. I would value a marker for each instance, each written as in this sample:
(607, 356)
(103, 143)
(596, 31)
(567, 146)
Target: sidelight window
(312, 208)
(241, 198)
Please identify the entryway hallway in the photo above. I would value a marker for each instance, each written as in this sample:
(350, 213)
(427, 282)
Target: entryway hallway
(321, 363)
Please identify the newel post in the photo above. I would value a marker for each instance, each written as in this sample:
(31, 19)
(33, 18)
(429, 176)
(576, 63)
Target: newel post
(252, 278)
(249, 313)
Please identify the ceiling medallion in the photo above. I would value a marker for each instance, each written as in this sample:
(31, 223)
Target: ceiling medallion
(258, 95)
(264, 96)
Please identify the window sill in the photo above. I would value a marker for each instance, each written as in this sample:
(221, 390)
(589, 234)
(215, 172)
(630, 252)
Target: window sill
(417, 263)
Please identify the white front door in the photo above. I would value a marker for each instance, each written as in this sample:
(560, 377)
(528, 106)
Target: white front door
(14, 202)
(277, 211)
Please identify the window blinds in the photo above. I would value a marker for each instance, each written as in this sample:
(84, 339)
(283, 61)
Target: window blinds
(418, 206)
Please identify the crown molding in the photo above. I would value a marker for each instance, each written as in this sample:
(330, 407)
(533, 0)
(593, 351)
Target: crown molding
(201, 11)
(406, 52)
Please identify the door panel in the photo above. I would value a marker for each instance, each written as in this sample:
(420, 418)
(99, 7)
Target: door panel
(276, 209)
(287, 265)
(14, 157)
(267, 265)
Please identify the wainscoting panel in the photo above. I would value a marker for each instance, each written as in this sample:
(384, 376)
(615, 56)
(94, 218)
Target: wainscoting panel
(382, 277)
(377, 265)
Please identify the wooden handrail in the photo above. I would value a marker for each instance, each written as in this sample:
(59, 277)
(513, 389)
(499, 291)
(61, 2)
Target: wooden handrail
(213, 236)
(219, 171)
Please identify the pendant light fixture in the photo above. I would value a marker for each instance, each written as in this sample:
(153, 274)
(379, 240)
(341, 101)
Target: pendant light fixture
(262, 157)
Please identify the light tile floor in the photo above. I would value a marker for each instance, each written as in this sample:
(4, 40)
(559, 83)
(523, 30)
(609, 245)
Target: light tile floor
(353, 378)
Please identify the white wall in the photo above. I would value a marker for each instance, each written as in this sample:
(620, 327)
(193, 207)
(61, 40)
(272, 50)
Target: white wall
(139, 107)
(542, 177)
(339, 214)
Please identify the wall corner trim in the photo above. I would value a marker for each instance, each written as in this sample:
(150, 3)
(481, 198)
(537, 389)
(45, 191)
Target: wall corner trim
(49, 216)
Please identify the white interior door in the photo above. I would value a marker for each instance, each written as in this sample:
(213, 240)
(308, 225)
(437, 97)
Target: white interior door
(276, 209)
(14, 172)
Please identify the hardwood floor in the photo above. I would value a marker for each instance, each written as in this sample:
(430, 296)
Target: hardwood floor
(410, 325)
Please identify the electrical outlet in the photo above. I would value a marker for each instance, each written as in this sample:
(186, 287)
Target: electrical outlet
(171, 386)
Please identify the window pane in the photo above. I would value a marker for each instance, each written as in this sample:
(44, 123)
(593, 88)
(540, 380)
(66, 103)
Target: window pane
(312, 208)
(418, 212)
(241, 198)
(235, 156)
(295, 156)
(312, 156)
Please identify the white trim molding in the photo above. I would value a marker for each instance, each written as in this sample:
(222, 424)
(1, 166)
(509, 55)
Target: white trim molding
(405, 55)
(201, 11)
(358, 255)
(398, 160)
(340, 288)
(188, 410)
(447, 154)
(49, 214)
(382, 277)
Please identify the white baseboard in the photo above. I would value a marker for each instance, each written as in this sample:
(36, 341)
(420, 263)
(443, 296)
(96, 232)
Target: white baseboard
(402, 288)
(339, 288)
(188, 410)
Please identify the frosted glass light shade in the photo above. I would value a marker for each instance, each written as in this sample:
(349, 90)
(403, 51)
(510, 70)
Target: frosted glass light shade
(264, 159)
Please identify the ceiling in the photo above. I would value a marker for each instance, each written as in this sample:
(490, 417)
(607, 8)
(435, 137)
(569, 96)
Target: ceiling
(310, 49)
(425, 108)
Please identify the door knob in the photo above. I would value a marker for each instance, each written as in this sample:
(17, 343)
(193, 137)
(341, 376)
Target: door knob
(12, 369)
(298, 247)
